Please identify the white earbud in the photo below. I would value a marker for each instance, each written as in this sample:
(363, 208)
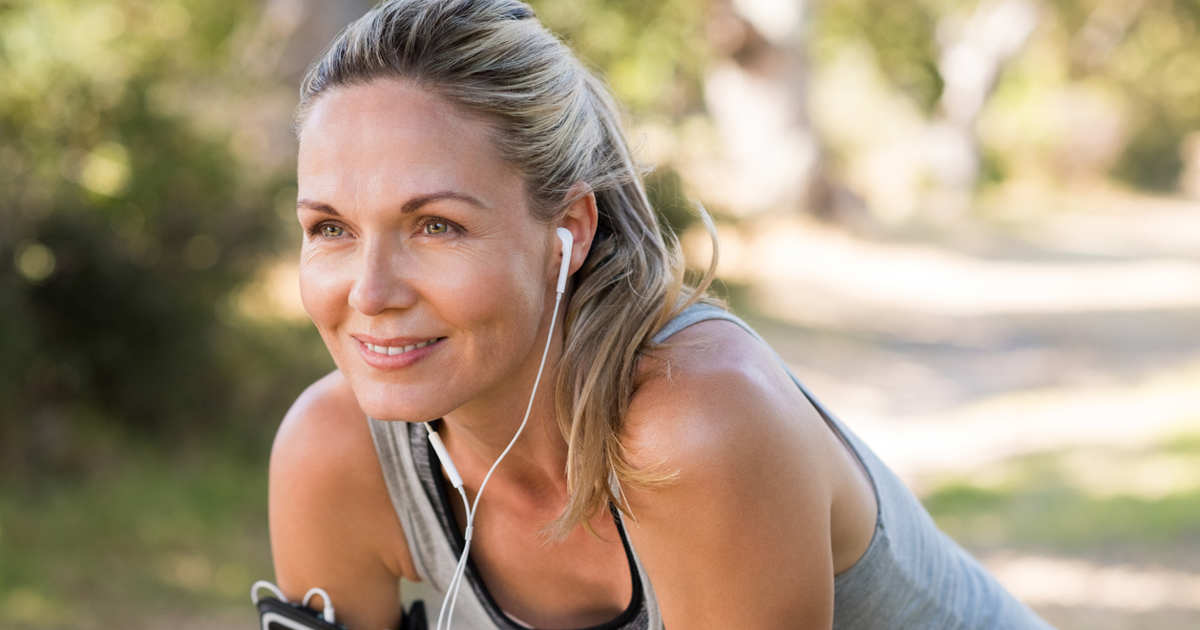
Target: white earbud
(446, 614)
(568, 240)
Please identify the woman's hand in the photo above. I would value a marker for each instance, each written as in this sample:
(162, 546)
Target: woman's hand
(331, 519)
(741, 538)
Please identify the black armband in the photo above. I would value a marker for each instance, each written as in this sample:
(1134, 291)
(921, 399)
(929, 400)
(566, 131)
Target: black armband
(276, 613)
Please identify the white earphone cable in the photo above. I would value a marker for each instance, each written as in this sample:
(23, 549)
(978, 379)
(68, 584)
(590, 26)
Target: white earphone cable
(461, 569)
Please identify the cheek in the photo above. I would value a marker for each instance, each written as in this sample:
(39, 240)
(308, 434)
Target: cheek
(498, 298)
(502, 286)
(323, 290)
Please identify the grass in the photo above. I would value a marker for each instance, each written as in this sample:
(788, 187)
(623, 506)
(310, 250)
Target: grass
(151, 535)
(135, 534)
(1078, 500)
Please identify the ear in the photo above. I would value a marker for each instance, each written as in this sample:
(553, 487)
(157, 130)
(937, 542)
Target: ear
(580, 218)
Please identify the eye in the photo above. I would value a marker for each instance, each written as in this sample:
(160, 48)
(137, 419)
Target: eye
(437, 226)
(327, 230)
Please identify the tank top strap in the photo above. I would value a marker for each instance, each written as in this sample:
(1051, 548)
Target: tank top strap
(694, 314)
(700, 312)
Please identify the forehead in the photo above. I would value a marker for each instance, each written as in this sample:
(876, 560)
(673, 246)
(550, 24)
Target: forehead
(390, 138)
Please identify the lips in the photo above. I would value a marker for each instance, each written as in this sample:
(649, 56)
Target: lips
(396, 352)
(392, 350)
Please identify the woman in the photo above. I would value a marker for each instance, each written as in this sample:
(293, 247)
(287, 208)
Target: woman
(670, 470)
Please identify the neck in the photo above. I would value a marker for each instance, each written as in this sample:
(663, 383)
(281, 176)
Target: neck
(478, 432)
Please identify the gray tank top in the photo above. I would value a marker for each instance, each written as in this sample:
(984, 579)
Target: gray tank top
(911, 575)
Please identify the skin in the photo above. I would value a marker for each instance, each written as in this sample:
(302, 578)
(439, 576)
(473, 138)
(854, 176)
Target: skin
(480, 277)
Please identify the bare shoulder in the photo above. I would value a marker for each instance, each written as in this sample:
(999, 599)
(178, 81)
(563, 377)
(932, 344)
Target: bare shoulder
(323, 407)
(325, 428)
(331, 519)
(711, 388)
(751, 491)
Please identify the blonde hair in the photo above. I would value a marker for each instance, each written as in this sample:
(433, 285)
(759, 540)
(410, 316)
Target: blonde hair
(557, 123)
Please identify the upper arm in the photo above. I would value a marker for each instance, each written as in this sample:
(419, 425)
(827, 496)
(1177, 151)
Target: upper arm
(741, 536)
(330, 518)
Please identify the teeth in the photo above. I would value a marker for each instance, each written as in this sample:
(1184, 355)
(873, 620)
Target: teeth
(394, 350)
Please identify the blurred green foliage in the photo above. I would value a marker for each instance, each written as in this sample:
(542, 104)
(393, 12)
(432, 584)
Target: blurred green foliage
(126, 228)
(1148, 53)
(1143, 55)
(900, 35)
(653, 54)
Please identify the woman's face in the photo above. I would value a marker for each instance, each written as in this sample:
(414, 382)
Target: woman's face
(416, 232)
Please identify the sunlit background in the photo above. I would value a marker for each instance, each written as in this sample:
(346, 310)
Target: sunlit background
(972, 228)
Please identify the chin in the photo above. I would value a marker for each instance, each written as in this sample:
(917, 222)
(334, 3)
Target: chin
(397, 403)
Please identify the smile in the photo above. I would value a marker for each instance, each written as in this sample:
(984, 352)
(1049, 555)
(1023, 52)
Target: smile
(394, 350)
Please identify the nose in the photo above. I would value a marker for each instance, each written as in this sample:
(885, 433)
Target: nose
(380, 282)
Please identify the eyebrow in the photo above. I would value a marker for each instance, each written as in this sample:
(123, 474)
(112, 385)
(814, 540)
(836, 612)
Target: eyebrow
(409, 206)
